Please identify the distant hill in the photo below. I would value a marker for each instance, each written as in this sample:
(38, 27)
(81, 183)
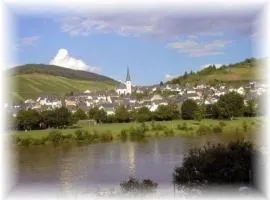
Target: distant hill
(237, 73)
(31, 80)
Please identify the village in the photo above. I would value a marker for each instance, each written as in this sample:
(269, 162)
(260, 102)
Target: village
(135, 97)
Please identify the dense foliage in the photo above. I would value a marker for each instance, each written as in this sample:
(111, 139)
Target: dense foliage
(231, 105)
(31, 119)
(189, 109)
(134, 185)
(97, 114)
(217, 164)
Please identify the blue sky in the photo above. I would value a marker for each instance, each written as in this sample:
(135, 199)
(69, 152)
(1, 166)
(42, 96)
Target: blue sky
(155, 45)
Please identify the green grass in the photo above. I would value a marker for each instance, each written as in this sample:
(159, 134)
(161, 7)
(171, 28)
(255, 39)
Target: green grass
(31, 85)
(229, 130)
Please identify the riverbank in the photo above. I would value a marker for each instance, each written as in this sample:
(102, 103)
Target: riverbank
(90, 133)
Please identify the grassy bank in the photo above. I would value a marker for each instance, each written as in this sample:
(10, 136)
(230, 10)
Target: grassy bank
(107, 132)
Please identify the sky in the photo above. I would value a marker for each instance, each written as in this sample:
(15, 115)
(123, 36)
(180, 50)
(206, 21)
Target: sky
(155, 45)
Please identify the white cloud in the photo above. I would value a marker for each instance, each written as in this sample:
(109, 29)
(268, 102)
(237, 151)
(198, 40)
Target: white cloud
(211, 34)
(195, 49)
(25, 42)
(207, 65)
(169, 77)
(63, 59)
(160, 23)
(29, 41)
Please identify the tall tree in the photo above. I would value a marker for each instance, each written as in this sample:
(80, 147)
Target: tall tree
(80, 114)
(231, 105)
(188, 109)
(122, 114)
(143, 114)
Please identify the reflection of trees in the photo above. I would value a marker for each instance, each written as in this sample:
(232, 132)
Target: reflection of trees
(66, 172)
(38, 159)
(130, 156)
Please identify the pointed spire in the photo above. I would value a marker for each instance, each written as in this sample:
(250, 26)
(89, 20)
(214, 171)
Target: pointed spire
(128, 75)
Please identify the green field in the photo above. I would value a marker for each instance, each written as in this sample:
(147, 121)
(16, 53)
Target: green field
(24, 86)
(231, 129)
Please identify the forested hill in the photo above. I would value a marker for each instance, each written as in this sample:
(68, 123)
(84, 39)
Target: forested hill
(32, 80)
(241, 72)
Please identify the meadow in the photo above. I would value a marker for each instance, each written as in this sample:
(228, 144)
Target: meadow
(242, 126)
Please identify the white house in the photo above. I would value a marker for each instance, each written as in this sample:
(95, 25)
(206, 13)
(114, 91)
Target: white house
(156, 97)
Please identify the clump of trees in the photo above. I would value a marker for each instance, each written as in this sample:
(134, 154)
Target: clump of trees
(217, 164)
(229, 106)
(31, 119)
(137, 186)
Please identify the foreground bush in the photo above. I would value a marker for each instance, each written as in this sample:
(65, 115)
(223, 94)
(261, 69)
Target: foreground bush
(133, 185)
(137, 133)
(217, 129)
(169, 132)
(55, 136)
(123, 135)
(106, 136)
(157, 126)
(217, 164)
(204, 130)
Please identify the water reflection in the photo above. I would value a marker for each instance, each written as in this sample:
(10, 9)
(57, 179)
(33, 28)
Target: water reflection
(66, 174)
(131, 159)
(88, 167)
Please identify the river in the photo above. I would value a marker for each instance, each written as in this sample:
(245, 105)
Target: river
(90, 169)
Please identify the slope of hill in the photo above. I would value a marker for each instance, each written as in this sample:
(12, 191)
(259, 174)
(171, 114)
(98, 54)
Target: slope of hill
(237, 73)
(29, 81)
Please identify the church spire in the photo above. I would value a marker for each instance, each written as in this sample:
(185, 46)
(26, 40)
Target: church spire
(128, 75)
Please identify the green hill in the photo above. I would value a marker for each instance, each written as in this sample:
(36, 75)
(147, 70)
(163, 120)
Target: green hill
(237, 73)
(29, 81)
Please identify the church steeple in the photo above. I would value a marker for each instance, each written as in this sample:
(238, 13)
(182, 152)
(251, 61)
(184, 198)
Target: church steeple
(128, 75)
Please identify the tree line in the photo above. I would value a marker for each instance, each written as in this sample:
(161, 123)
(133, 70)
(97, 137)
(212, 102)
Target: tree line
(229, 106)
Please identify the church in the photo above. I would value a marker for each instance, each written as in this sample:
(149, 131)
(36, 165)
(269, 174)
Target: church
(125, 88)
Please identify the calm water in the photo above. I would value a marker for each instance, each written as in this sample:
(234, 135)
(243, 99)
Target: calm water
(91, 168)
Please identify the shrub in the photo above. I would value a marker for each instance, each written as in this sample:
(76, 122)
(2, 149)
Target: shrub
(245, 126)
(68, 138)
(79, 134)
(107, 136)
(169, 132)
(203, 130)
(217, 129)
(182, 127)
(123, 135)
(221, 123)
(217, 164)
(55, 136)
(44, 139)
(26, 141)
(36, 141)
(17, 140)
(133, 185)
(144, 128)
(157, 126)
(137, 133)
